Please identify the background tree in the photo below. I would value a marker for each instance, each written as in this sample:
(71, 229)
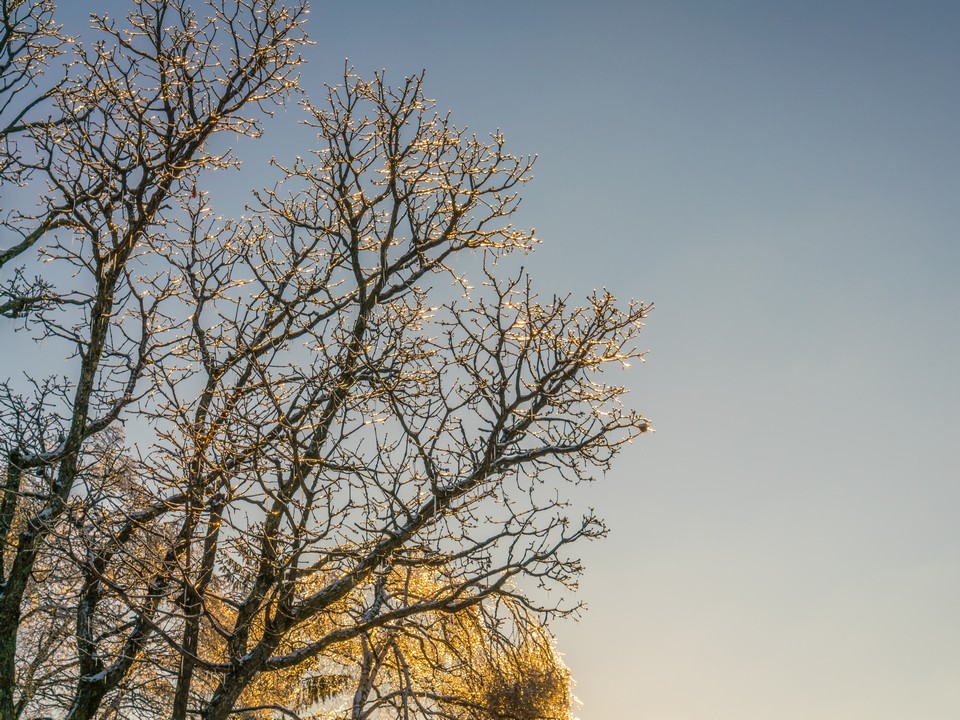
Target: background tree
(490, 660)
(344, 437)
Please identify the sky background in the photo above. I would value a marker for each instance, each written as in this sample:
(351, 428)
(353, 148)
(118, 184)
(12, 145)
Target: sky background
(783, 180)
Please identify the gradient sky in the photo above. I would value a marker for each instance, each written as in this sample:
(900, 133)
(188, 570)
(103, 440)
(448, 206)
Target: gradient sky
(783, 180)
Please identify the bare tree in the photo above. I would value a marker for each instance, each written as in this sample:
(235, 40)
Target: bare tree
(344, 394)
(29, 40)
(130, 131)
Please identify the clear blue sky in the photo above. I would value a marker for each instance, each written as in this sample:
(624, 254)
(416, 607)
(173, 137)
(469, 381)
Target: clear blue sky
(783, 180)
